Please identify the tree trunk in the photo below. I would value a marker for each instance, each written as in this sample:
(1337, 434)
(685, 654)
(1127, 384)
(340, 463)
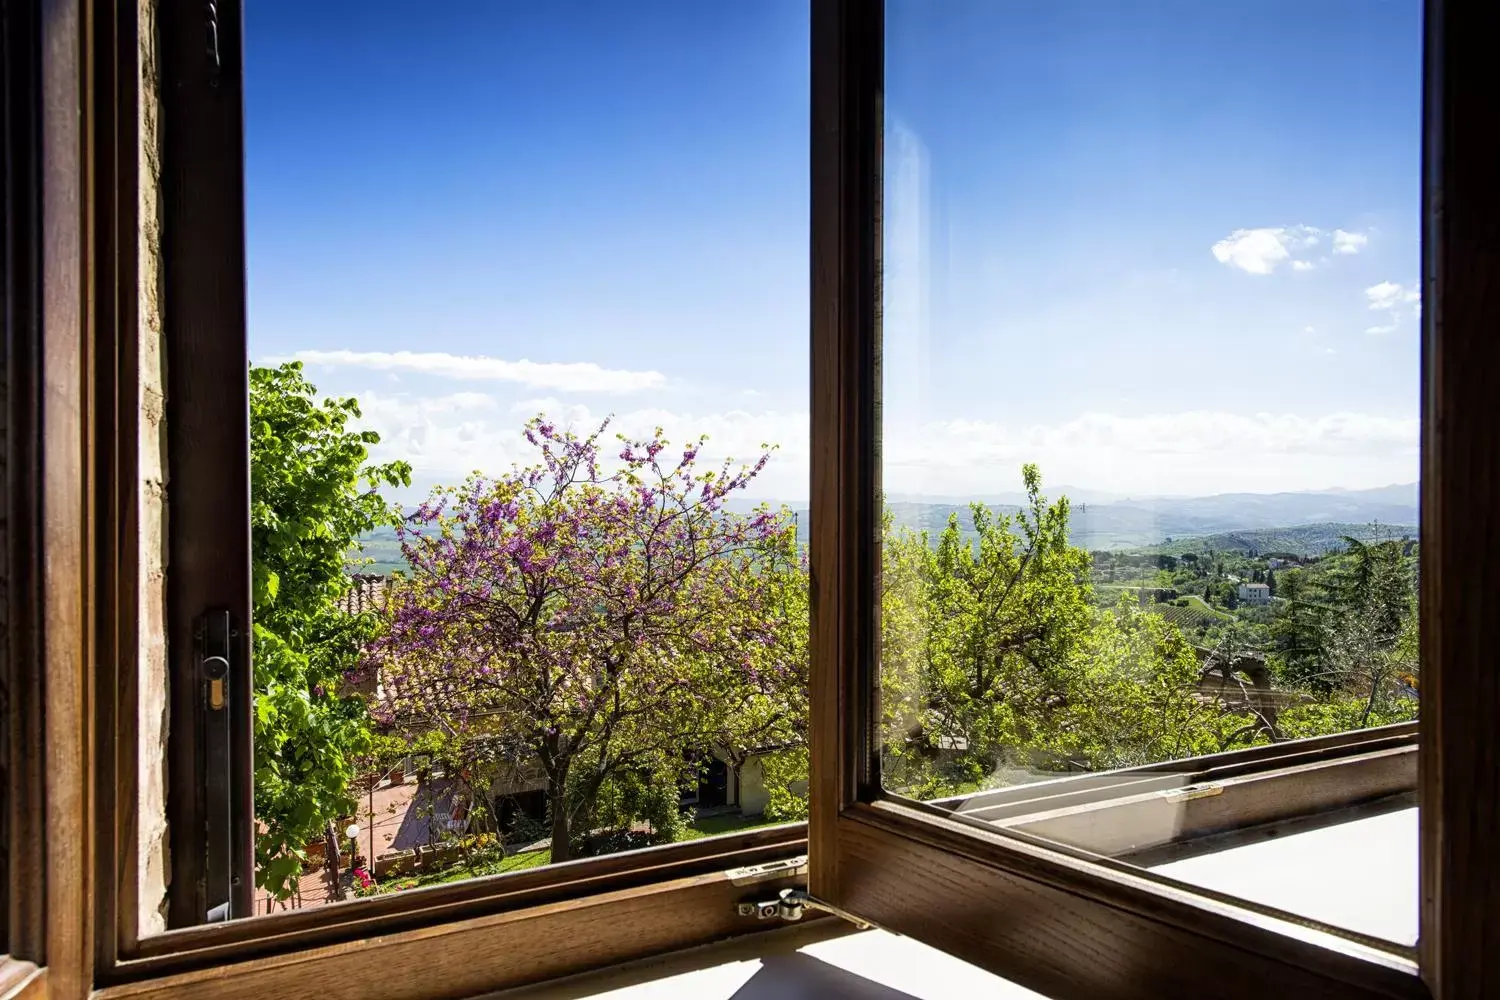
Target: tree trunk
(331, 850)
(557, 800)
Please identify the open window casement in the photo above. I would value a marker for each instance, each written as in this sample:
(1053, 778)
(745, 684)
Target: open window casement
(124, 123)
(1066, 885)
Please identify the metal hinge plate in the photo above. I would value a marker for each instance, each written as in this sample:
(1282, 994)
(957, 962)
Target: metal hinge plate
(790, 905)
(786, 868)
(1191, 792)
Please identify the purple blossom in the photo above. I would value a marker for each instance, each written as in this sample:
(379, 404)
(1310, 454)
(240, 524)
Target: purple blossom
(522, 587)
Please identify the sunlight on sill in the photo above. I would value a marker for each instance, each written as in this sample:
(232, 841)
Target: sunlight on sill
(800, 962)
(1358, 873)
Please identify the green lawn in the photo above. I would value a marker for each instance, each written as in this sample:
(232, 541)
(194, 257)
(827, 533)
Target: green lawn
(1199, 604)
(512, 863)
(707, 827)
(712, 826)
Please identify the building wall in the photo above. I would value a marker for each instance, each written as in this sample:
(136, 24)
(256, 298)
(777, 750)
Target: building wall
(152, 720)
(750, 788)
(751, 785)
(1254, 595)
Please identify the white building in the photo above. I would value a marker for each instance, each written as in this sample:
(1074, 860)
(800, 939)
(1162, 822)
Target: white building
(1255, 593)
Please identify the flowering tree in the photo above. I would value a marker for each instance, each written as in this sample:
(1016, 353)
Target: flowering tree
(599, 613)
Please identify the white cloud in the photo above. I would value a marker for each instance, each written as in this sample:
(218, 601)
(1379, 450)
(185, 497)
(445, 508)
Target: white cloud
(1193, 452)
(1389, 295)
(1394, 300)
(1263, 250)
(566, 377)
(446, 438)
(1349, 243)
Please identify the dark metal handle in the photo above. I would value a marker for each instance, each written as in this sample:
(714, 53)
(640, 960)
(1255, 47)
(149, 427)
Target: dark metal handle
(215, 648)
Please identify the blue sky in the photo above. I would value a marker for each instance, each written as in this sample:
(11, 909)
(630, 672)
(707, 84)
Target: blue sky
(1160, 247)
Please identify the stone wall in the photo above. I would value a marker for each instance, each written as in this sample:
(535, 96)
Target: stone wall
(152, 720)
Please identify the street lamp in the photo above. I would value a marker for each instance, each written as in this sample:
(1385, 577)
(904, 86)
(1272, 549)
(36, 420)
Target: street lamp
(352, 832)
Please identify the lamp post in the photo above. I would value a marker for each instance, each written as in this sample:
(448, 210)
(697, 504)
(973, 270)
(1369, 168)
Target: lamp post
(352, 832)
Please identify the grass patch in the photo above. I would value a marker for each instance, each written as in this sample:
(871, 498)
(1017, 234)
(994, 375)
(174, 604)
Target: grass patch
(1199, 604)
(713, 826)
(709, 826)
(458, 873)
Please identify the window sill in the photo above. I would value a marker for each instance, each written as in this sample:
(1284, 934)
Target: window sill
(826, 959)
(21, 980)
(830, 958)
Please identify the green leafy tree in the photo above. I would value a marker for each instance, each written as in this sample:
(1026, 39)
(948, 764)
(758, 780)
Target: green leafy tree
(995, 657)
(1368, 666)
(1298, 631)
(784, 774)
(313, 494)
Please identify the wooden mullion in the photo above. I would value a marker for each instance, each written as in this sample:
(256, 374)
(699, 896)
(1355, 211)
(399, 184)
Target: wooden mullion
(62, 588)
(1460, 573)
(847, 70)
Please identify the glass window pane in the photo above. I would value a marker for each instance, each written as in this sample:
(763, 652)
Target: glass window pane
(1150, 424)
(527, 331)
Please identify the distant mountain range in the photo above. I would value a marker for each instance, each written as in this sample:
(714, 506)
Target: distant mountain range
(1297, 523)
(1128, 523)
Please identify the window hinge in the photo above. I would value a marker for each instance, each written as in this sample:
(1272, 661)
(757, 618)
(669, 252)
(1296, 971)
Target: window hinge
(790, 904)
(1190, 792)
(785, 868)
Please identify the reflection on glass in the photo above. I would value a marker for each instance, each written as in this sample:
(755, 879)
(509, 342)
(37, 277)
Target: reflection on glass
(1150, 435)
(528, 340)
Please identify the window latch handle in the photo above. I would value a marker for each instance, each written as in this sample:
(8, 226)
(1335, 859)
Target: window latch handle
(216, 634)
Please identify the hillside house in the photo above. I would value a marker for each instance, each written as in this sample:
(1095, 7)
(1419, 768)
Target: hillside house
(1255, 593)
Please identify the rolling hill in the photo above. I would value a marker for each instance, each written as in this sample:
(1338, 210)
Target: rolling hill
(1296, 540)
(1295, 523)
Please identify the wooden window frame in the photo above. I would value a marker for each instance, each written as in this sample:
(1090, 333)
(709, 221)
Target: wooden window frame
(23, 920)
(1038, 914)
(1049, 917)
(1165, 810)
